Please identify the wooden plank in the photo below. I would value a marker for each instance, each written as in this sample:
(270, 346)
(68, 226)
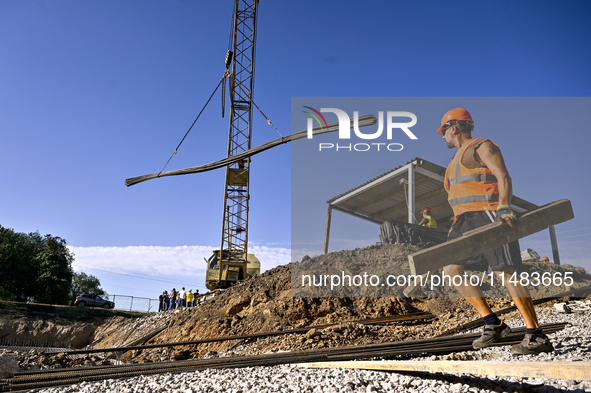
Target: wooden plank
(552, 369)
(488, 237)
(411, 289)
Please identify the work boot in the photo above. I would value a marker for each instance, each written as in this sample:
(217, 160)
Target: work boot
(532, 345)
(491, 334)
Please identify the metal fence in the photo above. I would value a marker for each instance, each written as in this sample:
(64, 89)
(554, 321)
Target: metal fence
(134, 303)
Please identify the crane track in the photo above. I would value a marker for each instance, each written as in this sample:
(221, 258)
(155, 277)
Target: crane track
(442, 345)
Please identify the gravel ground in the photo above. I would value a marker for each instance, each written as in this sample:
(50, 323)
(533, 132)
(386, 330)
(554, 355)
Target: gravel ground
(572, 344)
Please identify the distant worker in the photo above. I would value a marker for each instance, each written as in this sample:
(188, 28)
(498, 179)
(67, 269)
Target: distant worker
(160, 299)
(479, 191)
(165, 301)
(183, 298)
(172, 297)
(427, 220)
(190, 298)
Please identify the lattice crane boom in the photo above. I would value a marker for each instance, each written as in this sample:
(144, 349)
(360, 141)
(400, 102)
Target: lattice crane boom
(234, 242)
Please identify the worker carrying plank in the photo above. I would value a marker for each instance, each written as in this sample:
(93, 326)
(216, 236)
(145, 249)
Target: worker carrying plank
(479, 192)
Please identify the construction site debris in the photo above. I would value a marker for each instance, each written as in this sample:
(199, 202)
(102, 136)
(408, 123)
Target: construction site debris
(530, 255)
(8, 364)
(573, 306)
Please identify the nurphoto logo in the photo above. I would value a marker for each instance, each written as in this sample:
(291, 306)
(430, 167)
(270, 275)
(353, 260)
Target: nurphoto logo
(345, 128)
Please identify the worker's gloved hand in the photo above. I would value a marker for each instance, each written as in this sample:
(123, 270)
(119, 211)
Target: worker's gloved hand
(506, 215)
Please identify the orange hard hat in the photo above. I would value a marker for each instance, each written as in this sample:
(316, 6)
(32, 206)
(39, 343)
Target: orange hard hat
(427, 209)
(455, 114)
(545, 259)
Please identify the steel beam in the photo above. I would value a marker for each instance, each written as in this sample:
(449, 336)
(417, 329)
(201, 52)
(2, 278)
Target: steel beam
(411, 194)
(327, 230)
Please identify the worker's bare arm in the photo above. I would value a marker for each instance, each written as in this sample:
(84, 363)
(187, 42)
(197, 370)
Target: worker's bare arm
(490, 155)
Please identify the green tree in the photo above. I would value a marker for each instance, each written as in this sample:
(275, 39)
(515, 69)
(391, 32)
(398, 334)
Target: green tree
(34, 267)
(84, 283)
(54, 275)
(18, 270)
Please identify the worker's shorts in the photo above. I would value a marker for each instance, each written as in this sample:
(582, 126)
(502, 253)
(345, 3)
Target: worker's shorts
(497, 258)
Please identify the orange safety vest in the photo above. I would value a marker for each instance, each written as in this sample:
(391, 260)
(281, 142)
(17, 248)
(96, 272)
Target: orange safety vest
(469, 189)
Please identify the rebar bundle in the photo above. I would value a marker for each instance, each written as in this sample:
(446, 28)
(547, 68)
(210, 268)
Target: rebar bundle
(40, 379)
(365, 120)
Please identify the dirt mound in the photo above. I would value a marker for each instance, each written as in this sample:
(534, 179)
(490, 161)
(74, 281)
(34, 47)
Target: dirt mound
(120, 332)
(264, 304)
(362, 272)
(383, 271)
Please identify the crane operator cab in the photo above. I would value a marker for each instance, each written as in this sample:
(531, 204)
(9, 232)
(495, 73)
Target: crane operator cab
(223, 272)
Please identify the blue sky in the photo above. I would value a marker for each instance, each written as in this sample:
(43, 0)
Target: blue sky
(95, 92)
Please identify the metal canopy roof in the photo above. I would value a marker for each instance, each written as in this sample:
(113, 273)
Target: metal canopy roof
(385, 197)
(402, 193)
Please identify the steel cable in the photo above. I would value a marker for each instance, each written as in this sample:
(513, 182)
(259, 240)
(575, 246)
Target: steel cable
(226, 73)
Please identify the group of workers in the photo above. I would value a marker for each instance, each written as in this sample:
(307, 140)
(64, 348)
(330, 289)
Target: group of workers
(479, 192)
(176, 299)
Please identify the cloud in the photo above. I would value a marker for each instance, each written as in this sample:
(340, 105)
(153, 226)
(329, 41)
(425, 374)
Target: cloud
(159, 261)
(271, 257)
